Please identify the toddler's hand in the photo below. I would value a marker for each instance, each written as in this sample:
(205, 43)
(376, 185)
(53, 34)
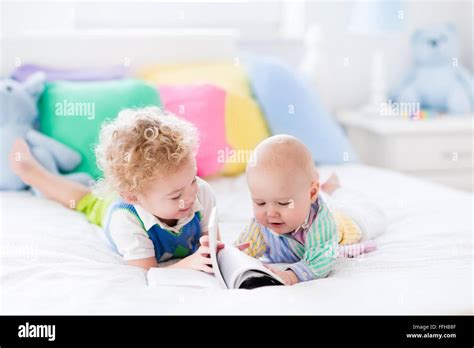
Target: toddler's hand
(204, 241)
(201, 259)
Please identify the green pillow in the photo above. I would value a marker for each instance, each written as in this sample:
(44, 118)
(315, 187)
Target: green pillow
(72, 112)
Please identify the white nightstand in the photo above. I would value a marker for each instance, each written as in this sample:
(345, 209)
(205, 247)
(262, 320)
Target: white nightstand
(438, 149)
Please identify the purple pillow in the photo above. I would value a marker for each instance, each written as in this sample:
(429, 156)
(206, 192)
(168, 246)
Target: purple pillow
(83, 74)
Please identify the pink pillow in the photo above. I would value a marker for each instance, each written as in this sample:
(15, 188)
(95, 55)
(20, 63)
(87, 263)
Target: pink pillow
(204, 106)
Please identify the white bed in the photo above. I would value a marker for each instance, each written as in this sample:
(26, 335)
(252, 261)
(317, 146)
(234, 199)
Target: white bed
(55, 262)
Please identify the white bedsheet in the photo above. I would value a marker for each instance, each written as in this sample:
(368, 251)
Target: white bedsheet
(54, 262)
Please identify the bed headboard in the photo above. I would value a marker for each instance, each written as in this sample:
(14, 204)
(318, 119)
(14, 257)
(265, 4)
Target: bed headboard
(136, 48)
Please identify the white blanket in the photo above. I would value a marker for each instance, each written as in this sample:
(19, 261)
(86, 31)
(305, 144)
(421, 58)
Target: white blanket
(54, 262)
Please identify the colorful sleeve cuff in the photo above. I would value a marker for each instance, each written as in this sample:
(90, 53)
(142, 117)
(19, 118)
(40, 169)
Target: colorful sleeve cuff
(302, 271)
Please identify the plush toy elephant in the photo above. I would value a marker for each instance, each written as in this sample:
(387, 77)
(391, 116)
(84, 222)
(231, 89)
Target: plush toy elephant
(437, 80)
(18, 113)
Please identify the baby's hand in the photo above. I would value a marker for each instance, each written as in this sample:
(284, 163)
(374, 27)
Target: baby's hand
(242, 246)
(289, 277)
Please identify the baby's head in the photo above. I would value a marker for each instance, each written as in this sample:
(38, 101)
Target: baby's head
(147, 156)
(283, 183)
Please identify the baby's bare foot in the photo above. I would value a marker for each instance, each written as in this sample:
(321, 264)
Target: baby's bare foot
(22, 162)
(331, 184)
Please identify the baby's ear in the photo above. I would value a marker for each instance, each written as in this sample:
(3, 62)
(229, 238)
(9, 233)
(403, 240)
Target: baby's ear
(314, 191)
(129, 197)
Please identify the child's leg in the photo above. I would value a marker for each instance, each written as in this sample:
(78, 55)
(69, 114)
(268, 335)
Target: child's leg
(52, 186)
(354, 204)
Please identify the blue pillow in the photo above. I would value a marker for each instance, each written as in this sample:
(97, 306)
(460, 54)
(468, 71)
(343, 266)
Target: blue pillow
(291, 106)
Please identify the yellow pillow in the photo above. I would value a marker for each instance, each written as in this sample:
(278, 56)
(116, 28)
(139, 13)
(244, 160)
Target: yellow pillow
(228, 76)
(245, 128)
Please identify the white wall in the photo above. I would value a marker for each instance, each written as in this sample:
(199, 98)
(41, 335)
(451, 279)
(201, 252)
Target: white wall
(340, 85)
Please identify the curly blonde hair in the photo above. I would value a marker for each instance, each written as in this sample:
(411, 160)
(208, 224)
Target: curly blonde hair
(141, 144)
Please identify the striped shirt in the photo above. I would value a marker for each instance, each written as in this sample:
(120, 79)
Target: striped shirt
(311, 257)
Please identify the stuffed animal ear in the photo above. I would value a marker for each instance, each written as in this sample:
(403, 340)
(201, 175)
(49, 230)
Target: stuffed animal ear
(34, 84)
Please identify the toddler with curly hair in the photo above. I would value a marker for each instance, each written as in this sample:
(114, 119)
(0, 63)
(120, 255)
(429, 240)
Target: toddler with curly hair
(154, 208)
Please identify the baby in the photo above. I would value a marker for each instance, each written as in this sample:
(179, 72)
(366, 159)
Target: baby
(292, 223)
(158, 208)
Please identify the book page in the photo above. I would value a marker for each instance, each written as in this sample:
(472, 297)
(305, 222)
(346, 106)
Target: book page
(237, 266)
(212, 232)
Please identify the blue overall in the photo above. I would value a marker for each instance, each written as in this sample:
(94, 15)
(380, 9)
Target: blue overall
(167, 244)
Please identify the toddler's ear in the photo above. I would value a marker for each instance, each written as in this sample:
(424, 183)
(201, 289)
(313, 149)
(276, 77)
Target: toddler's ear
(129, 197)
(314, 191)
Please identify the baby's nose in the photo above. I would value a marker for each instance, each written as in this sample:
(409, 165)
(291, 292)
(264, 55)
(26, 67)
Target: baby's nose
(272, 212)
(189, 198)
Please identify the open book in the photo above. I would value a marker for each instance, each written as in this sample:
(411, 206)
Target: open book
(233, 269)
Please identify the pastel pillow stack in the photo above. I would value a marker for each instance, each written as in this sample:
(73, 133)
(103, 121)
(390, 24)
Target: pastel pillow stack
(234, 109)
(244, 125)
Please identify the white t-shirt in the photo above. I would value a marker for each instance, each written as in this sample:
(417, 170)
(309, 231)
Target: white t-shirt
(132, 240)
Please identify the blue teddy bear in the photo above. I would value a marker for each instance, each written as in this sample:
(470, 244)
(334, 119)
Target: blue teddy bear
(18, 113)
(437, 81)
